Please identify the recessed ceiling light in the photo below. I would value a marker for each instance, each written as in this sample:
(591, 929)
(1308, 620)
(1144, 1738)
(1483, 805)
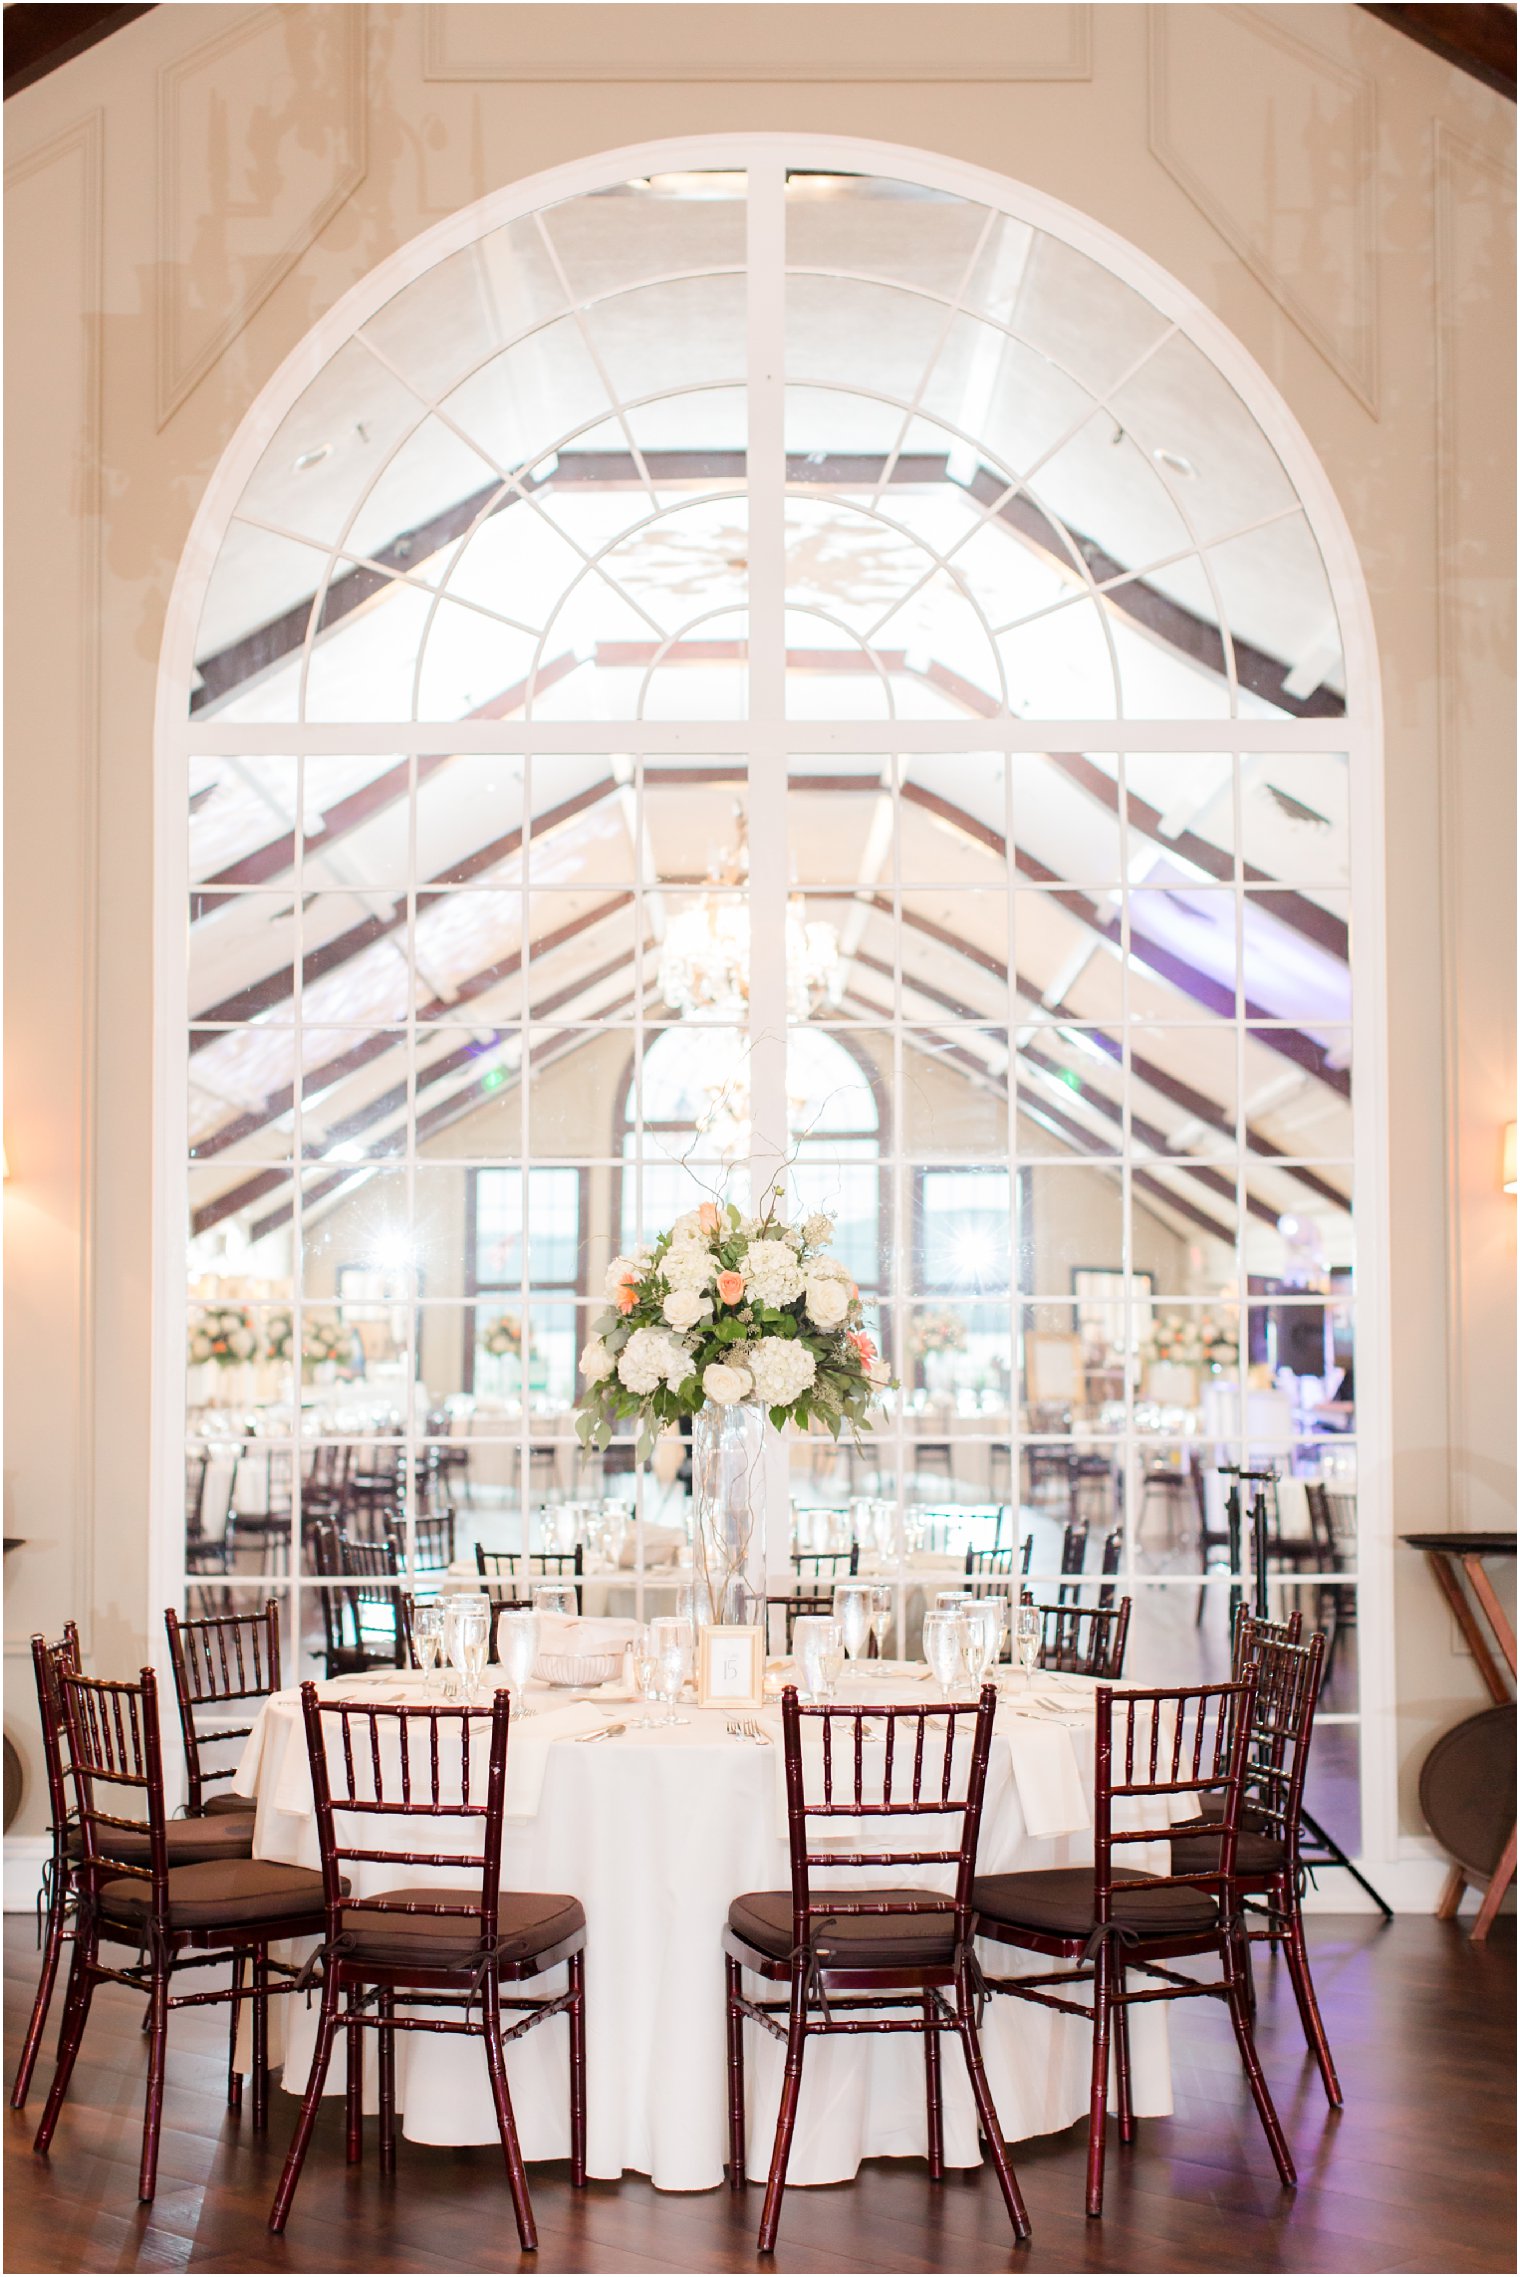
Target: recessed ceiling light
(313, 457)
(1175, 460)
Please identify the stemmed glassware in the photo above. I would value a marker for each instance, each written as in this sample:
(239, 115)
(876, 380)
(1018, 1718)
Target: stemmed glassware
(556, 1598)
(460, 1608)
(881, 1617)
(945, 1649)
(427, 1636)
(670, 1636)
(985, 1628)
(852, 1610)
(646, 1672)
(517, 1649)
(472, 1636)
(818, 1649)
(1028, 1634)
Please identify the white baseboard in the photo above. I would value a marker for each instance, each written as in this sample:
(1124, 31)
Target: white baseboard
(25, 1857)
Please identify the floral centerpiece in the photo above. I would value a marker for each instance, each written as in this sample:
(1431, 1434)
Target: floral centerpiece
(938, 1331)
(1190, 1340)
(503, 1339)
(321, 1340)
(224, 1335)
(729, 1320)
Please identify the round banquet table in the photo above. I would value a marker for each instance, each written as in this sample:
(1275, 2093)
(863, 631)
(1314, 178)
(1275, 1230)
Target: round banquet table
(656, 1831)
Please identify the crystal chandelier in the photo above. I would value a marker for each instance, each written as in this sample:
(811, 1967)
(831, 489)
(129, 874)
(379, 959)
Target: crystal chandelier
(704, 957)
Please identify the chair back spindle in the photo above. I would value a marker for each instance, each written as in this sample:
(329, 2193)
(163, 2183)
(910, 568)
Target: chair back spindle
(215, 1660)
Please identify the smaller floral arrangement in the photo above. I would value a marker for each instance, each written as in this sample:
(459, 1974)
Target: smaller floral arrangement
(729, 1308)
(224, 1334)
(503, 1339)
(1191, 1340)
(321, 1340)
(935, 1331)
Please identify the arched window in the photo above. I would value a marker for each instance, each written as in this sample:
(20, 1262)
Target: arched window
(759, 615)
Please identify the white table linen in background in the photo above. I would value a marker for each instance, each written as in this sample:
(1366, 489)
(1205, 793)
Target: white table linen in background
(656, 1832)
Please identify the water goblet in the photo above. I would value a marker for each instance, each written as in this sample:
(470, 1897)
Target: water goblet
(671, 1638)
(852, 1610)
(816, 1637)
(517, 1649)
(881, 1617)
(556, 1598)
(945, 1649)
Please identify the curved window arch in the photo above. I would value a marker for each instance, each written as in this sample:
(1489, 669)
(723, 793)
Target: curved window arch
(727, 613)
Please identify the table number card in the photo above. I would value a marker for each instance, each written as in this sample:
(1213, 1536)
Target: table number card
(731, 1668)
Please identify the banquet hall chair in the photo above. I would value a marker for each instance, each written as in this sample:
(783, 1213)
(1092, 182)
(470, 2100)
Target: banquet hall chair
(826, 1565)
(215, 1661)
(432, 1540)
(361, 1621)
(1083, 1640)
(178, 1902)
(50, 1658)
(1103, 1921)
(892, 1951)
(534, 1565)
(988, 1565)
(1268, 1878)
(1333, 1520)
(792, 1610)
(1073, 1560)
(264, 1534)
(444, 1948)
(1108, 1563)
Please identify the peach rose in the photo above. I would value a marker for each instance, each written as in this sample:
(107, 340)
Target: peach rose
(707, 1217)
(626, 1299)
(730, 1287)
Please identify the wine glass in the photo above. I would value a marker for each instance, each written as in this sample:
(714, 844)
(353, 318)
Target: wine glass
(1029, 1637)
(462, 1606)
(646, 1670)
(517, 1649)
(474, 1637)
(945, 1649)
(852, 1610)
(955, 1600)
(427, 1636)
(881, 1617)
(556, 1598)
(816, 1639)
(984, 1637)
(671, 1639)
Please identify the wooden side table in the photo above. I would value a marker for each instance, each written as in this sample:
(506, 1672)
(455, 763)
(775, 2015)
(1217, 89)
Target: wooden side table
(1456, 1561)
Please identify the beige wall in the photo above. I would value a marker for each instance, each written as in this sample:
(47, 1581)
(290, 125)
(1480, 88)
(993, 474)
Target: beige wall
(188, 198)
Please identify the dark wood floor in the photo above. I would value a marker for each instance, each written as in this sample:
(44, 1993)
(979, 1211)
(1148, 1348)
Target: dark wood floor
(1417, 2174)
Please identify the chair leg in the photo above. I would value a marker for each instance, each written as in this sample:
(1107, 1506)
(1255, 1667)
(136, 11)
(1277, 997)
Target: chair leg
(736, 2176)
(354, 2095)
(295, 2157)
(234, 2017)
(577, 2021)
(1097, 2115)
(786, 2117)
(1452, 1891)
(153, 2108)
(386, 2002)
(76, 2008)
(932, 2093)
(1121, 2062)
(261, 2040)
(52, 1949)
(506, 2125)
(992, 2128)
(1245, 2041)
(1296, 1952)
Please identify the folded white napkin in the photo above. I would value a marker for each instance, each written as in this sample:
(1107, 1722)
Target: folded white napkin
(559, 1633)
(662, 1546)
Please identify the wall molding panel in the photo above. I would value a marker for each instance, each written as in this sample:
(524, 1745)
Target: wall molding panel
(920, 44)
(1285, 169)
(50, 1216)
(262, 139)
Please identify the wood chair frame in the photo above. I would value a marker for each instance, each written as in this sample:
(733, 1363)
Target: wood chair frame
(56, 1903)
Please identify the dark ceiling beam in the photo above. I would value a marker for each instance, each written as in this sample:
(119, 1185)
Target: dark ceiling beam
(39, 39)
(1478, 40)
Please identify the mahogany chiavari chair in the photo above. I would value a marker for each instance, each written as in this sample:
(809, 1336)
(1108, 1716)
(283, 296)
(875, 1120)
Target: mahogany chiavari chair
(792, 1610)
(891, 1951)
(1250, 1635)
(1108, 1563)
(1083, 1640)
(49, 1657)
(1267, 1871)
(438, 1947)
(216, 1660)
(139, 1888)
(534, 1565)
(357, 1635)
(1102, 1921)
(826, 1565)
(985, 1565)
(433, 1540)
(1073, 1560)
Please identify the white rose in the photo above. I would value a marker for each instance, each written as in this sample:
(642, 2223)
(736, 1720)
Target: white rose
(683, 1308)
(687, 1265)
(772, 1273)
(243, 1343)
(782, 1369)
(879, 1372)
(618, 1272)
(817, 1228)
(726, 1385)
(827, 1302)
(596, 1362)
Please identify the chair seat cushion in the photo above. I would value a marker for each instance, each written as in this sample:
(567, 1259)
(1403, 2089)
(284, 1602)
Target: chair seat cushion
(1058, 1902)
(224, 1804)
(528, 1922)
(189, 1841)
(220, 1894)
(1257, 1856)
(848, 1940)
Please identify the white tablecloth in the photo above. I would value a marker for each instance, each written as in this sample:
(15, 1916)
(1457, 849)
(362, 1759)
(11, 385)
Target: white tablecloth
(656, 1832)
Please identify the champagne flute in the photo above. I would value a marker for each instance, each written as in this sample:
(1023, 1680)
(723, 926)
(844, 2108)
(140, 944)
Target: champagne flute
(1029, 1635)
(517, 1648)
(881, 1617)
(984, 1634)
(852, 1610)
(427, 1636)
(474, 1635)
(671, 1637)
(945, 1649)
(646, 1672)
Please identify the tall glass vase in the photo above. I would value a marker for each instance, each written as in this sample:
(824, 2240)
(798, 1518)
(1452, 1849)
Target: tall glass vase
(728, 1504)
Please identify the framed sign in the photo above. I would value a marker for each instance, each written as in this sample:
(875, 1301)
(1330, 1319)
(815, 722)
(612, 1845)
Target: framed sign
(731, 1668)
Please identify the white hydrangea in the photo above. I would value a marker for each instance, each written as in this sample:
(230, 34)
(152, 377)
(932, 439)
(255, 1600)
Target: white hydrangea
(817, 1228)
(687, 1265)
(651, 1358)
(726, 1385)
(828, 1301)
(771, 1272)
(596, 1361)
(830, 1269)
(683, 1308)
(621, 1268)
(688, 1227)
(782, 1369)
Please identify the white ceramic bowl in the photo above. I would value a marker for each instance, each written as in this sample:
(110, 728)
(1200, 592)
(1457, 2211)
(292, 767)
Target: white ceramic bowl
(577, 1668)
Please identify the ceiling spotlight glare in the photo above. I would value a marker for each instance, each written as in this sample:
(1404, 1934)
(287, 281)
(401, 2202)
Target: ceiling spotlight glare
(314, 457)
(1175, 462)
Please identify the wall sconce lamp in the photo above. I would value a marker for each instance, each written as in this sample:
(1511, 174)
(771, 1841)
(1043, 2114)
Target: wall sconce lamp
(1511, 1167)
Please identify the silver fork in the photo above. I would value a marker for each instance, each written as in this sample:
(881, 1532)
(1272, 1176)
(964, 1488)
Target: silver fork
(749, 1729)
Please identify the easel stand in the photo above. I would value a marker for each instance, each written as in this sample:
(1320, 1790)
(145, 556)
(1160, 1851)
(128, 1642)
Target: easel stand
(1451, 1559)
(1324, 1850)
